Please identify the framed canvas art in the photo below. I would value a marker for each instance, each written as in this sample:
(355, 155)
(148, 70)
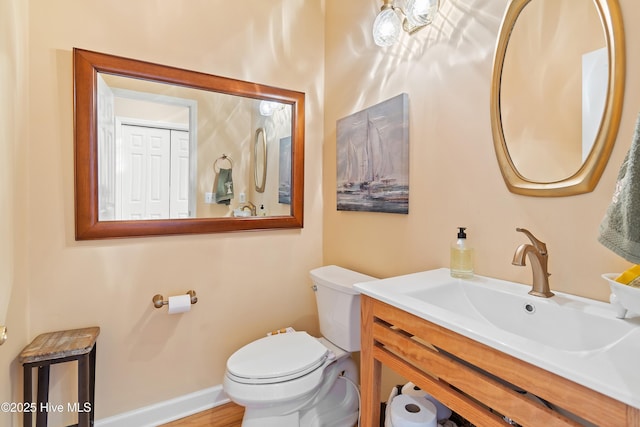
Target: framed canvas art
(372, 149)
(284, 173)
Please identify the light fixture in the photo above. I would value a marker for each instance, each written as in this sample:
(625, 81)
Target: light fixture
(267, 108)
(391, 19)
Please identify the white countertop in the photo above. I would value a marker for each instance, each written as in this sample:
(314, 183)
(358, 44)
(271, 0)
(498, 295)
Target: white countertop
(613, 369)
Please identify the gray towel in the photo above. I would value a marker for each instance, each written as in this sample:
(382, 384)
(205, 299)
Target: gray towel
(620, 228)
(223, 187)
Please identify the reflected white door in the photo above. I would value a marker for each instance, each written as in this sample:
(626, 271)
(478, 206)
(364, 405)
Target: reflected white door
(595, 77)
(106, 152)
(179, 197)
(153, 179)
(145, 174)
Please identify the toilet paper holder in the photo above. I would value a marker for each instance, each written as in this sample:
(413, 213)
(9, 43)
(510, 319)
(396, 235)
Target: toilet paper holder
(159, 301)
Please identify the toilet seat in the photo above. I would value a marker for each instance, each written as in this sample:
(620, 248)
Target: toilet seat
(277, 358)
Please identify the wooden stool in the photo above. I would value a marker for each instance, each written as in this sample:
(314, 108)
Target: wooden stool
(59, 347)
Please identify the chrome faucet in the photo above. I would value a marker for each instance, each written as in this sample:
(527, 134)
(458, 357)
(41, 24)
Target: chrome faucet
(250, 206)
(538, 257)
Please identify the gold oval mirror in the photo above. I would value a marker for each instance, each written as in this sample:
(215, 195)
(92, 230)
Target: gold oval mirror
(556, 94)
(260, 159)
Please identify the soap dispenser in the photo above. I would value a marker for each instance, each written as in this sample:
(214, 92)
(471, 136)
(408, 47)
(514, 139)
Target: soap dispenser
(461, 256)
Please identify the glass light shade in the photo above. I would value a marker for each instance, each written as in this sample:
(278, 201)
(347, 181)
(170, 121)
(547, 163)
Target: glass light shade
(421, 12)
(267, 108)
(386, 27)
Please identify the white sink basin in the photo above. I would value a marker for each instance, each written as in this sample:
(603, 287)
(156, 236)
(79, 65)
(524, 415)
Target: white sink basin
(239, 213)
(578, 338)
(561, 322)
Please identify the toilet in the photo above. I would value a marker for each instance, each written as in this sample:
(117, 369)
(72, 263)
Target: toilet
(296, 380)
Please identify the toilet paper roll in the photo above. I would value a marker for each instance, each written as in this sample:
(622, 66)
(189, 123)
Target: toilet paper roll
(179, 304)
(387, 414)
(413, 390)
(410, 411)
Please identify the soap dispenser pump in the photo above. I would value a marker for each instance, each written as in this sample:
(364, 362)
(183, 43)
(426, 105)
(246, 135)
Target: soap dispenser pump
(461, 256)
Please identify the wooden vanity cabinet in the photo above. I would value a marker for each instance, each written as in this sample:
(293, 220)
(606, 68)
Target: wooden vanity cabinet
(472, 379)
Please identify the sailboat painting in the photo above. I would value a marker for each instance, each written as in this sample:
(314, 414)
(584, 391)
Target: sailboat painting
(372, 148)
(284, 173)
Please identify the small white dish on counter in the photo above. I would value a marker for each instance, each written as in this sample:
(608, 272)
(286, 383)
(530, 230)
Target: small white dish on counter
(624, 298)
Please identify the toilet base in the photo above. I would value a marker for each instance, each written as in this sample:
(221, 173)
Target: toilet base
(290, 420)
(340, 407)
(337, 406)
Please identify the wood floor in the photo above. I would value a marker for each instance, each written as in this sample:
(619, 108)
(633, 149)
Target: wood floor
(229, 415)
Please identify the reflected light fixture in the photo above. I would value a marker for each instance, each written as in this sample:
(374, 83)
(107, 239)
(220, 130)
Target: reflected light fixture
(416, 15)
(267, 108)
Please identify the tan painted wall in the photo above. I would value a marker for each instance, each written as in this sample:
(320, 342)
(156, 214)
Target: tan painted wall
(14, 39)
(246, 282)
(454, 176)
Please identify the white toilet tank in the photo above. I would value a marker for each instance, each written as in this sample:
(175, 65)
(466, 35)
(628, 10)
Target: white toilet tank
(339, 304)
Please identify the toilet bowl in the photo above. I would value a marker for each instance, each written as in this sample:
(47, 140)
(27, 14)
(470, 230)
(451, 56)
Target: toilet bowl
(294, 379)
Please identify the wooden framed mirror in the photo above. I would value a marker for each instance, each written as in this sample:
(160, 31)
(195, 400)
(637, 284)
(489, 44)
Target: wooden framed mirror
(209, 117)
(556, 94)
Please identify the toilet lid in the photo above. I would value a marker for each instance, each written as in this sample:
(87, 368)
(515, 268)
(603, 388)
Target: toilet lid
(279, 357)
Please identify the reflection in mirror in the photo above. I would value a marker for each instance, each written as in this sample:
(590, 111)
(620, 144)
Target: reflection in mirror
(543, 122)
(151, 136)
(155, 138)
(556, 94)
(260, 160)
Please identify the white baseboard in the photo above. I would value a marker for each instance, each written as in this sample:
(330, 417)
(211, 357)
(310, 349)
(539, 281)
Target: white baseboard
(169, 410)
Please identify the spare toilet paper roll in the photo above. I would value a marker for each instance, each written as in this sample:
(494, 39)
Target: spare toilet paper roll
(413, 390)
(179, 304)
(410, 411)
(387, 414)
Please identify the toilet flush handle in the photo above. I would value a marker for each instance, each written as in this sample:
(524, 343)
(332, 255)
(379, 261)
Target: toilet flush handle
(314, 288)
